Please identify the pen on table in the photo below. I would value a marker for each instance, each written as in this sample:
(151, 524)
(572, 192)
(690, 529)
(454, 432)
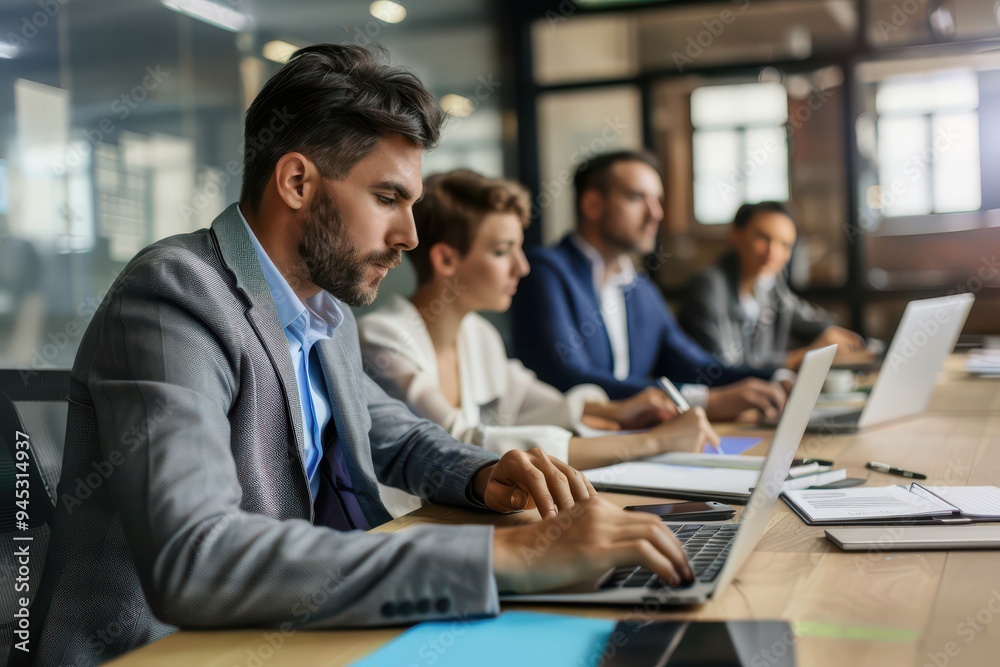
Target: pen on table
(802, 462)
(886, 468)
(678, 399)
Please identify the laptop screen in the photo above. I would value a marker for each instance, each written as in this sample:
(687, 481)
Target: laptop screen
(786, 440)
(924, 337)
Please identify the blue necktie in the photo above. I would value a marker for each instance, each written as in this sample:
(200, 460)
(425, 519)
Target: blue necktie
(330, 509)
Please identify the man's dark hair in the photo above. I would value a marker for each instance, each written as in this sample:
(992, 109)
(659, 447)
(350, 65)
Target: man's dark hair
(593, 173)
(333, 103)
(746, 212)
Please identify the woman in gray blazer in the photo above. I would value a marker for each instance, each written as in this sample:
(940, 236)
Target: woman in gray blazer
(742, 310)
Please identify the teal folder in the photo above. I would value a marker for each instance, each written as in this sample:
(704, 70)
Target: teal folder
(513, 638)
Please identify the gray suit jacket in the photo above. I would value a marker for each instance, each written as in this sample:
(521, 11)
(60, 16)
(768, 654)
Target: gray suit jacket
(183, 499)
(712, 315)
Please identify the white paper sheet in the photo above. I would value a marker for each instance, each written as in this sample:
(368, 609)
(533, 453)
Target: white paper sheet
(643, 474)
(973, 501)
(864, 503)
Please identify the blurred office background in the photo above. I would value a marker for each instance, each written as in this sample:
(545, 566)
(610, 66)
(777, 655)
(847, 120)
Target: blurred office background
(121, 123)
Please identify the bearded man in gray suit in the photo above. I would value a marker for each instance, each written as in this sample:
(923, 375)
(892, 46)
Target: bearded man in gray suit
(221, 385)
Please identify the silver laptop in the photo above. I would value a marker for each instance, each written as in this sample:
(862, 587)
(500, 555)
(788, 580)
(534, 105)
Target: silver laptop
(925, 336)
(715, 552)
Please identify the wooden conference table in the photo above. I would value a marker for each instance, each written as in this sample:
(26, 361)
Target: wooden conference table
(902, 608)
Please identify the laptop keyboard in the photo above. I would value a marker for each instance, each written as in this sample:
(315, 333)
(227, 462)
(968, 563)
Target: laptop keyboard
(838, 417)
(706, 547)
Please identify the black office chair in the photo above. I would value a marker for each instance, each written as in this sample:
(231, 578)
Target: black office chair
(33, 403)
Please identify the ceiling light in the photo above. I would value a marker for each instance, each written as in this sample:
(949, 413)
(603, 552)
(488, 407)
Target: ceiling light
(456, 105)
(7, 50)
(390, 12)
(941, 19)
(213, 13)
(279, 51)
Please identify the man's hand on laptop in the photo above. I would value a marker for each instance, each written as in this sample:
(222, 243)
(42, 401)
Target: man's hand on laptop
(531, 479)
(726, 403)
(581, 544)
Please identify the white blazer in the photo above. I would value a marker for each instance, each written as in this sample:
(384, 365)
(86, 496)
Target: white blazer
(504, 406)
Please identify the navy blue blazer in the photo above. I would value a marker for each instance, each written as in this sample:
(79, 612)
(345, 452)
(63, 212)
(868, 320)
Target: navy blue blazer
(559, 333)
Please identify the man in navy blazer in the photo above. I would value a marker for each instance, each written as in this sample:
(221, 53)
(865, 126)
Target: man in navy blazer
(584, 315)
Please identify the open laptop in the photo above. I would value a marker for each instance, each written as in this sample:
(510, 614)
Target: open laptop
(715, 552)
(925, 336)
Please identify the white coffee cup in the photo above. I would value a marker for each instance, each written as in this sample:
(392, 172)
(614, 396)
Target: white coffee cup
(839, 381)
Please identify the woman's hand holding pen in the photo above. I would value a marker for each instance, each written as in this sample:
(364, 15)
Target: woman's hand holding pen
(688, 432)
(647, 408)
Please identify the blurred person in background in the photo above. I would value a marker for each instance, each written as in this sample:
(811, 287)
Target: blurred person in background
(742, 309)
(585, 315)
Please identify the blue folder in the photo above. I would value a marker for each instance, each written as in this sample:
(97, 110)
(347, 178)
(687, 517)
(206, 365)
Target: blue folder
(513, 638)
(736, 445)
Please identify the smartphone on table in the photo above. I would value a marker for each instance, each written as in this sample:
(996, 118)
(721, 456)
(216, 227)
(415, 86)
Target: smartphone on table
(690, 511)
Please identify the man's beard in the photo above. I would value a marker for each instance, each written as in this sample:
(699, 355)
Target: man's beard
(622, 242)
(331, 262)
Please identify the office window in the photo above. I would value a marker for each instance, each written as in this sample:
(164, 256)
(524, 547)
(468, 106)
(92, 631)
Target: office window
(589, 47)
(928, 144)
(740, 148)
(573, 128)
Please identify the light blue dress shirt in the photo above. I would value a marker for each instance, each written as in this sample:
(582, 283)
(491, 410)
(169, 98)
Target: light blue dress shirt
(305, 324)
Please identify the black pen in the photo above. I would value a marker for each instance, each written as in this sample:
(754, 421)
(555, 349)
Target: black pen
(883, 467)
(802, 462)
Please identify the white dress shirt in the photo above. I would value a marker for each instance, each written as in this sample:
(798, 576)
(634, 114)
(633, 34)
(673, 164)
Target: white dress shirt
(611, 297)
(503, 405)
